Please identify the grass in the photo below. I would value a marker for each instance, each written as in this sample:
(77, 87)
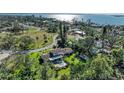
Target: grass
(73, 60)
(2, 35)
(31, 29)
(38, 37)
(11, 65)
(37, 55)
(71, 37)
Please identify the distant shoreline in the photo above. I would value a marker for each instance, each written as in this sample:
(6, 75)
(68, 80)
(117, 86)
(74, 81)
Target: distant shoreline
(118, 15)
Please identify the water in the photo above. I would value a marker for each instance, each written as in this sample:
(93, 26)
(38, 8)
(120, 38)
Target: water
(97, 18)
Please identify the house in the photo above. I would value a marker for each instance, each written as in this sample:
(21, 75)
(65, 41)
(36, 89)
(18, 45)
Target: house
(81, 33)
(98, 43)
(76, 32)
(56, 56)
(104, 51)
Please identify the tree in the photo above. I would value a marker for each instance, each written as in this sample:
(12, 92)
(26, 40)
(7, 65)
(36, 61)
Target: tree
(26, 42)
(85, 45)
(63, 29)
(45, 38)
(16, 28)
(110, 35)
(37, 38)
(8, 42)
(76, 71)
(89, 31)
(99, 68)
(47, 72)
(75, 21)
(53, 28)
(118, 55)
(112, 38)
(89, 22)
(120, 41)
(104, 32)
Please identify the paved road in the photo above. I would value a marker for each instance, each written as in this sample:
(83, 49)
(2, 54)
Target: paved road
(41, 49)
(5, 54)
(47, 47)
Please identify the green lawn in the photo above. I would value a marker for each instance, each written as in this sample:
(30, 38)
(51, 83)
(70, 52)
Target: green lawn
(71, 37)
(31, 29)
(73, 60)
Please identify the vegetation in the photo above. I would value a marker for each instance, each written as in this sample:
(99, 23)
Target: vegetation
(97, 55)
(30, 39)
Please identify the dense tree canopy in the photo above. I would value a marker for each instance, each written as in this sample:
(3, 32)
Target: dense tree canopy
(99, 68)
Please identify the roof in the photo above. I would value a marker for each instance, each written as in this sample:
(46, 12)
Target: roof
(62, 51)
(105, 51)
(75, 29)
(56, 52)
(80, 32)
(54, 58)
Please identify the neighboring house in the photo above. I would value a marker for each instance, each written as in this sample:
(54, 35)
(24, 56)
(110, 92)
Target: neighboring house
(76, 32)
(98, 47)
(104, 51)
(98, 43)
(56, 56)
(81, 33)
